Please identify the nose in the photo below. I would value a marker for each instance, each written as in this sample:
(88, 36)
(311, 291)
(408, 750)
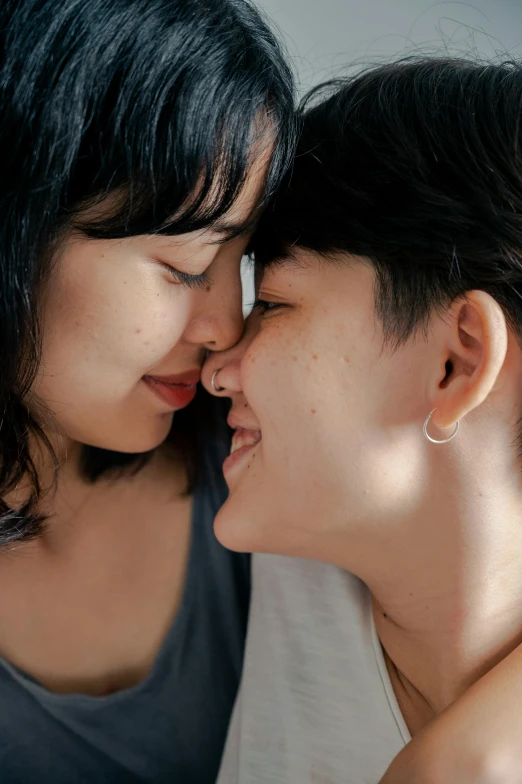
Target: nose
(217, 322)
(221, 375)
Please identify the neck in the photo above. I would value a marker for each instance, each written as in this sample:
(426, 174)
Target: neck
(73, 506)
(447, 593)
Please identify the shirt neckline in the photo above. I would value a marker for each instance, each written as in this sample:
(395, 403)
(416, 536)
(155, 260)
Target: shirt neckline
(385, 678)
(97, 701)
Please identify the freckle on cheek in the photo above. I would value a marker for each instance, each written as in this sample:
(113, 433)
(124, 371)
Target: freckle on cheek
(313, 411)
(314, 356)
(346, 359)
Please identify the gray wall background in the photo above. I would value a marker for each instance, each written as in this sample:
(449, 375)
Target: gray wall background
(325, 36)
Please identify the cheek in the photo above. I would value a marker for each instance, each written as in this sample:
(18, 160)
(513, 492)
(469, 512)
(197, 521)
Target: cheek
(103, 332)
(323, 440)
(270, 376)
(298, 372)
(127, 323)
(297, 389)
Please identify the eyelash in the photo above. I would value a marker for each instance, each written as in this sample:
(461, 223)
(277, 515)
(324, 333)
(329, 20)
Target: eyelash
(183, 278)
(261, 306)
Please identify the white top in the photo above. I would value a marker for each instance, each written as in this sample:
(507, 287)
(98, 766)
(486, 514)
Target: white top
(316, 705)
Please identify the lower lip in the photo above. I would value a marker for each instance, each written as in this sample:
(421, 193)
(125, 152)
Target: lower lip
(237, 456)
(175, 395)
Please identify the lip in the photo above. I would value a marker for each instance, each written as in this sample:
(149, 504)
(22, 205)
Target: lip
(175, 390)
(189, 378)
(237, 422)
(240, 454)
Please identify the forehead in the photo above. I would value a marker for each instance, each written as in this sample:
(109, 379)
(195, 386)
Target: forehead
(302, 259)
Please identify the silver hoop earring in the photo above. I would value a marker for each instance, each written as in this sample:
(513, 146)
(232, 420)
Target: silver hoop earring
(213, 381)
(434, 440)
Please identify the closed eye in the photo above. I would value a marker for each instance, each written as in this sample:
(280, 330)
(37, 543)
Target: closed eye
(184, 279)
(261, 306)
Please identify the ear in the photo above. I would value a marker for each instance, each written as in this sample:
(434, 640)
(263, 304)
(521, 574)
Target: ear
(473, 344)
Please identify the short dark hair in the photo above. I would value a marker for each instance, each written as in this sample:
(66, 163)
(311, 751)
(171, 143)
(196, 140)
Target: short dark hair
(416, 166)
(156, 101)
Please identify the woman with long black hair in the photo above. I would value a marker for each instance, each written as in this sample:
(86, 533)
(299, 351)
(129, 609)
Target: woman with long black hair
(139, 141)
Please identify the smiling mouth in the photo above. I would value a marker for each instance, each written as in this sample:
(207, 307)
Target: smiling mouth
(243, 442)
(243, 437)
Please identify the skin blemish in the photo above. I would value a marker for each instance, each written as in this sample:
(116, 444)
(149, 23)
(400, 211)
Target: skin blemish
(138, 331)
(346, 359)
(207, 289)
(314, 356)
(294, 359)
(313, 411)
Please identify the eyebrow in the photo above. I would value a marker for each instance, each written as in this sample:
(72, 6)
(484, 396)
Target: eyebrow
(281, 262)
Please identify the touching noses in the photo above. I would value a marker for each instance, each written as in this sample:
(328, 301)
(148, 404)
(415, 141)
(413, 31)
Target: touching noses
(222, 370)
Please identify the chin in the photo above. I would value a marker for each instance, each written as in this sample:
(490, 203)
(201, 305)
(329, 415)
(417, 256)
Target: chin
(132, 440)
(245, 525)
(236, 531)
(227, 530)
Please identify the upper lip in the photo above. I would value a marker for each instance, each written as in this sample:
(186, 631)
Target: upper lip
(237, 422)
(188, 379)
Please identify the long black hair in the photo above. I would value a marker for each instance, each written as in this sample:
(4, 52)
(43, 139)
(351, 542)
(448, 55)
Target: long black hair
(159, 103)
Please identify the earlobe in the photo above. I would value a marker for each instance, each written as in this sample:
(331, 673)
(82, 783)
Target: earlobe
(474, 340)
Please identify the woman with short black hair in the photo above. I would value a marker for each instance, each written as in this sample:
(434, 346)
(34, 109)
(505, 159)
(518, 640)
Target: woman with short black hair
(377, 402)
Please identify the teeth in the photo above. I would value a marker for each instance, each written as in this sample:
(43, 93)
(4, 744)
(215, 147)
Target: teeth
(244, 438)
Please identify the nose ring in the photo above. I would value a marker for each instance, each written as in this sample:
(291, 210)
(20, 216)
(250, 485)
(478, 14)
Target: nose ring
(213, 381)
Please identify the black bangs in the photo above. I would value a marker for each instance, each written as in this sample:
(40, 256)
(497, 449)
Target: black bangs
(174, 131)
(150, 112)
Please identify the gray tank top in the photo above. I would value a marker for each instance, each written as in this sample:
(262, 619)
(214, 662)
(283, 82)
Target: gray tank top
(171, 727)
